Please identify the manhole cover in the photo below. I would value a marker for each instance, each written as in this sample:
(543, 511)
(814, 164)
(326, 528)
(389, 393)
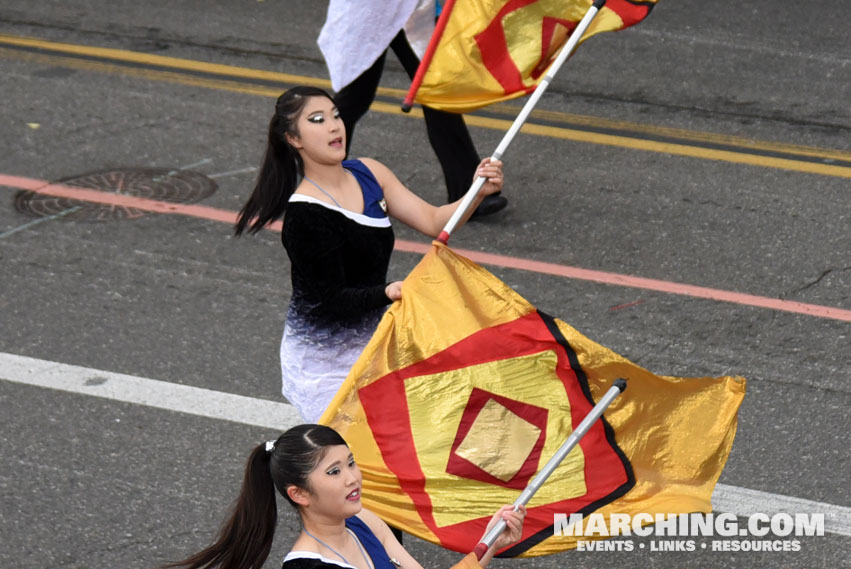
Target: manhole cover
(161, 184)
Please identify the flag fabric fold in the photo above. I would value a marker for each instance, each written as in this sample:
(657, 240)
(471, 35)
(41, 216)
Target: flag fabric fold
(466, 390)
(495, 50)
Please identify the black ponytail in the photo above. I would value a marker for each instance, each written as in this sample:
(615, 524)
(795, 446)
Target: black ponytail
(282, 165)
(245, 540)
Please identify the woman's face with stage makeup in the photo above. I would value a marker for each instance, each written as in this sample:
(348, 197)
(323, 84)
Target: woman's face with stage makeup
(335, 484)
(321, 133)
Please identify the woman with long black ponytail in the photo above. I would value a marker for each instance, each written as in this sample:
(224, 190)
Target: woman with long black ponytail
(313, 468)
(338, 237)
(282, 166)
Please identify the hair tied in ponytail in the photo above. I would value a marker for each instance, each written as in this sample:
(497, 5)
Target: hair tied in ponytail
(282, 164)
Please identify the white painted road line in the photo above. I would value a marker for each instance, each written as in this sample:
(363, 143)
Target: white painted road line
(745, 502)
(149, 392)
(280, 416)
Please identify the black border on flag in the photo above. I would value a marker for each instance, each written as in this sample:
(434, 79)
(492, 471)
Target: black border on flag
(537, 538)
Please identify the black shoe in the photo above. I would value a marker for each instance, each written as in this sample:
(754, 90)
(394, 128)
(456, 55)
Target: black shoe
(490, 205)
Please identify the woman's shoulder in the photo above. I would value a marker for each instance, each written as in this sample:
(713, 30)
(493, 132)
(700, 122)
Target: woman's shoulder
(369, 166)
(373, 522)
(362, 163)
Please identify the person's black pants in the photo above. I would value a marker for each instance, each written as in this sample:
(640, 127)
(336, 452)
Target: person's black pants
(447, 132)
(397, 533)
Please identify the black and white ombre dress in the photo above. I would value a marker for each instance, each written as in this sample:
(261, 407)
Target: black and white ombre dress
(339, 271)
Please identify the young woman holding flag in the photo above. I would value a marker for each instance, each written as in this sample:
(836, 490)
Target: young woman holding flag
(338, 237)
(312, 467)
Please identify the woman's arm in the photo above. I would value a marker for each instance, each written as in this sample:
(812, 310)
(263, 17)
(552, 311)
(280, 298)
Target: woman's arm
(412, 210)
(513, 530)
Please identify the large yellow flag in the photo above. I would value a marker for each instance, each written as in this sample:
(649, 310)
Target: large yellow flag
(494, 50)
(466, 390)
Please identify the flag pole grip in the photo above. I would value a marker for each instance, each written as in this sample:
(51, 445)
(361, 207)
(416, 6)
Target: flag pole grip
(618, 387)
(568, 48)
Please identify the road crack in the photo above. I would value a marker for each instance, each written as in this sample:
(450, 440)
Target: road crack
(814, 282)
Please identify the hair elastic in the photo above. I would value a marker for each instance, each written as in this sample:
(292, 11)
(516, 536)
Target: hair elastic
(270, 446)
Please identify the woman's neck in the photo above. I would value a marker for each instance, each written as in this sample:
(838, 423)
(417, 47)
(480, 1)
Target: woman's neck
(326, 531)
(330, 175)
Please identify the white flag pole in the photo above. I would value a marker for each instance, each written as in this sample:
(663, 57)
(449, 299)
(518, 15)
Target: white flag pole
(616, 389)
(568, 48)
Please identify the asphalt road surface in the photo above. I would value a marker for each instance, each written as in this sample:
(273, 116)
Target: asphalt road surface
(706, 151)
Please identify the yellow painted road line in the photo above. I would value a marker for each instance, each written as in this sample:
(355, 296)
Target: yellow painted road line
(682, 134)
(162, 61)
(150, 74)
(231, 78)
(649, 145)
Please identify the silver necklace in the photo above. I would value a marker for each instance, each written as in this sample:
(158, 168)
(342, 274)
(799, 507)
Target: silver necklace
(362, 552)
(335, 203)
(332, 550)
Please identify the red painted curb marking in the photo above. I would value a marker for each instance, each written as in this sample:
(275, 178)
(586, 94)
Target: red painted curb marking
(214, 214)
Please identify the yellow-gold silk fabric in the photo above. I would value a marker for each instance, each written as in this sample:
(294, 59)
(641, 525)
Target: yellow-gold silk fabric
(495, 50)
(466, 390)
